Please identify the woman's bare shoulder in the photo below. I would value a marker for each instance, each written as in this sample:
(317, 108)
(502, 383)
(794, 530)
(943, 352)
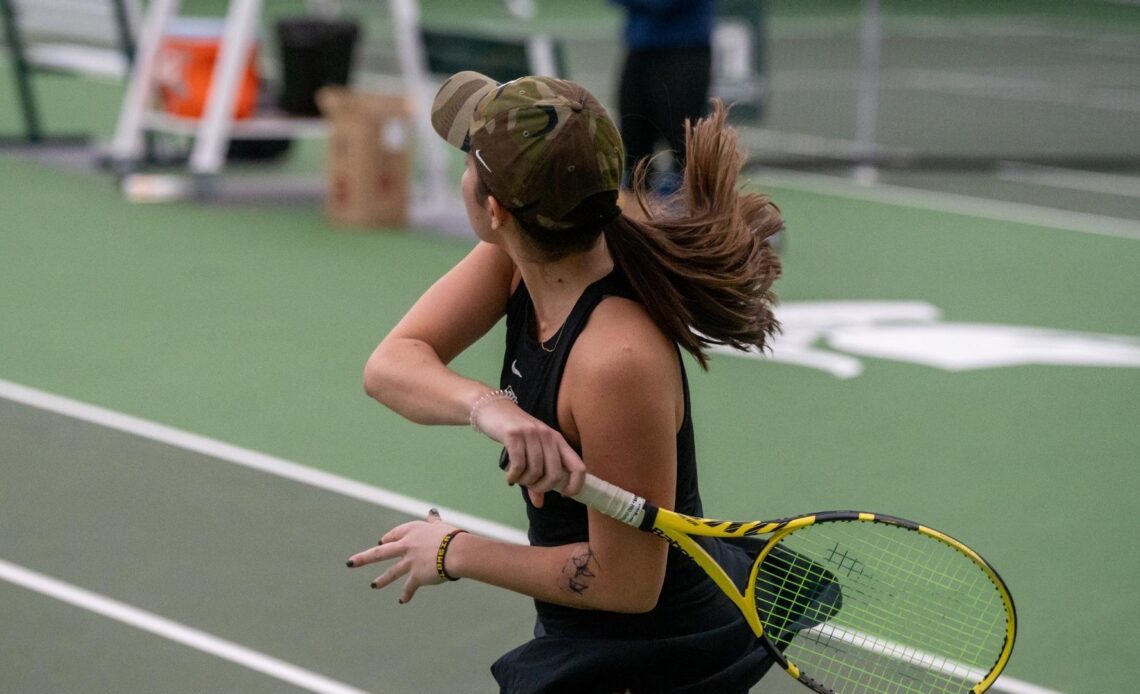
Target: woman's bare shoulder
(622, 345)
(624, 399)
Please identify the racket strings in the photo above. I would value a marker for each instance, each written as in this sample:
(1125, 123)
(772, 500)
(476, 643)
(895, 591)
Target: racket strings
(906, 610)
(834, 638)
(958, 588)
(953, 587)
(872, 607)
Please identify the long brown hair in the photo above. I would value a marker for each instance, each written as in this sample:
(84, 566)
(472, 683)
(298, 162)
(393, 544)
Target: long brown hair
(700, 260)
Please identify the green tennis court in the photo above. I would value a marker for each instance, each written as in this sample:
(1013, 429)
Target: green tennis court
(187, 456)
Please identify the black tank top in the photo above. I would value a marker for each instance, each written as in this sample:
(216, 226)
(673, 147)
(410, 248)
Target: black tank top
(535, 374)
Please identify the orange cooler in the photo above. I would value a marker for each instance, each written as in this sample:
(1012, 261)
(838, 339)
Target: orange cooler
(186, 68)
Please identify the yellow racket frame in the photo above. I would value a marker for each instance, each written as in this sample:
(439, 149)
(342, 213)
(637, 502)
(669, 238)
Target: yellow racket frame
(679, 530)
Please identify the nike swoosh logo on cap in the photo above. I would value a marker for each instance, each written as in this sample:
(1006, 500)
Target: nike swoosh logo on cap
(479, 156)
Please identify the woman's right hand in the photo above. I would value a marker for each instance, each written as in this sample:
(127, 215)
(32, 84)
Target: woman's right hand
(540, 458)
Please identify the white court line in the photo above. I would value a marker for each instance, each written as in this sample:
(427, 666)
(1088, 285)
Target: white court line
(917, 658)
(283, 468)
(953, 203)
(168, 629)
(251, 459)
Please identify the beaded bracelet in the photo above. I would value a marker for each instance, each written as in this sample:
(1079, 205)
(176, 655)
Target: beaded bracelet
(441, 554)
(486, 399)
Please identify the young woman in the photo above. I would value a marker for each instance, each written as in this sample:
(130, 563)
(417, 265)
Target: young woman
(598, 307)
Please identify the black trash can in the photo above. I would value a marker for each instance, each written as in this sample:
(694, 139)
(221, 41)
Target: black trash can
(314, 53)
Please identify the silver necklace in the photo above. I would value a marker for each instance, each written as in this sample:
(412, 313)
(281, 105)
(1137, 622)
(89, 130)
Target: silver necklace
(556, 338)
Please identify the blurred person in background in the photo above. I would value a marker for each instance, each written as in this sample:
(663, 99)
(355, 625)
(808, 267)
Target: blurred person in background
(664, 80)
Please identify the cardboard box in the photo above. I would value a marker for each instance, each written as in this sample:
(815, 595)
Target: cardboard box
(368, 158)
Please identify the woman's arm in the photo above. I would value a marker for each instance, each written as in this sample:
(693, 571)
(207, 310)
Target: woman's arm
(567, 575)
(408, 371)
(623, 404)
(622, 400)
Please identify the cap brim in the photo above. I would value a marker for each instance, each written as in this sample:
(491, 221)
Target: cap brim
(454, 106)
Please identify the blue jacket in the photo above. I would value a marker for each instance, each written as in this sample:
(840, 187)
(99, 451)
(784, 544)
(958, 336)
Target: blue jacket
(667, 23)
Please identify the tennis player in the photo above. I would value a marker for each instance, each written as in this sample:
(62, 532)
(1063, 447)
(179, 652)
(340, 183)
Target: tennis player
(599, 308)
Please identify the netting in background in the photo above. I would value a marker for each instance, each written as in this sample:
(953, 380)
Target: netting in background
(892, 83)
(964, 85)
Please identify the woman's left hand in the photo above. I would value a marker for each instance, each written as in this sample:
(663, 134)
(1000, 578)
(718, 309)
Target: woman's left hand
(414, 546)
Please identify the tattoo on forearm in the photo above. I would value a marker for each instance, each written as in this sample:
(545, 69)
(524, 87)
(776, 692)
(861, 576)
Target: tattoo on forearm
(580, 571)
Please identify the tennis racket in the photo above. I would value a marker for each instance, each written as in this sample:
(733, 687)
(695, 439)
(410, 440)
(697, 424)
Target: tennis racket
(850, 602)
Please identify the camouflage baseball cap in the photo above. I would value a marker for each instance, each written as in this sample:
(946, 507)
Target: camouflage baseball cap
(543, 145)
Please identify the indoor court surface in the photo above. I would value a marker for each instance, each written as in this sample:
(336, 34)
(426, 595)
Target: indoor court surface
(187, 457)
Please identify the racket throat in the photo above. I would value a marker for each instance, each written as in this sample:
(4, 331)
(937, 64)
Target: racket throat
(649, 519)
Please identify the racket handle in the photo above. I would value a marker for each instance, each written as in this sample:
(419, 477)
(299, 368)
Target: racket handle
(604, 497)
(612, 500)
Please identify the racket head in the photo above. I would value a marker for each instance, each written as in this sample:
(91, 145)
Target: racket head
(857, 602)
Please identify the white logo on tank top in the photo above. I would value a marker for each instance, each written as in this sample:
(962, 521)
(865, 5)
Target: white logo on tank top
(515, 368)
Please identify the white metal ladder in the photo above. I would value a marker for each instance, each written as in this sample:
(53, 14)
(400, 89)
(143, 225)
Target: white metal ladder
(213, 131)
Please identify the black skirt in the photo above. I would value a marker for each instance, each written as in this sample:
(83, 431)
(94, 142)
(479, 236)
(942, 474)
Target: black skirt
(721, 656)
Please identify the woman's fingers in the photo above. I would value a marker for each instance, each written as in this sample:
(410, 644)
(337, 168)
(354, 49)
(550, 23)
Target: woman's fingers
(387, 547)
(539, 457)
(551, 466)
(395, 571)
(573, 465)
(410, 587)
(541, 461)
(413, 546)
(560, 462)
(381, 552)
(396, 533)
(535, 462)
(516, 454)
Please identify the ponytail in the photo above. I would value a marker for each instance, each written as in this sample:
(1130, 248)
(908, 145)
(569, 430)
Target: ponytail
(700, 260)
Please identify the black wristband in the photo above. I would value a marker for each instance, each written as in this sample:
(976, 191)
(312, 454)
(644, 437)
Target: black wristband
(441, 554)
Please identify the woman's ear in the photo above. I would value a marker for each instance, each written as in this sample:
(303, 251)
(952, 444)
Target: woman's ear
(499, 214)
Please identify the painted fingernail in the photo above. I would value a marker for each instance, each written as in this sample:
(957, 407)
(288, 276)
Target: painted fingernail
(379, 543)
(433, 511)
(373, 584)
(350, 564)
(401, 601)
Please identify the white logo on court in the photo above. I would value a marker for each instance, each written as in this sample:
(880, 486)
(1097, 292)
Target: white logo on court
(515, 368)
(911, 331)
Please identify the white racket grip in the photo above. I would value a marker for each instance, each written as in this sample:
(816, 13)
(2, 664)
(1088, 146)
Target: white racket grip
(612, 500)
